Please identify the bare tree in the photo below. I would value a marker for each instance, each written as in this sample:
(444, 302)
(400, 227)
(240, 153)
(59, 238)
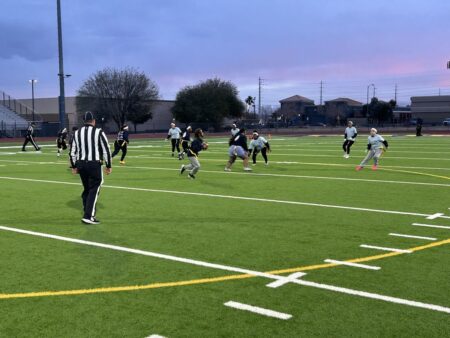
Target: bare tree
(120, 95)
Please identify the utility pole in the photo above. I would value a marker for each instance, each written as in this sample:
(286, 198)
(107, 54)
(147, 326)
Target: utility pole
(32, 81)
(61, 99)
(260, 83)
(395, 95)
(321, 92)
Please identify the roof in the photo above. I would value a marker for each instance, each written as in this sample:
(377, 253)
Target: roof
(297, 98)
(350, 102)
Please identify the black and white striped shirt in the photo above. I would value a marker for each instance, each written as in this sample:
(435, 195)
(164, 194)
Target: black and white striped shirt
(90, 144)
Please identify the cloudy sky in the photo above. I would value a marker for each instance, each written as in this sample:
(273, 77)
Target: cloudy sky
(292, 45)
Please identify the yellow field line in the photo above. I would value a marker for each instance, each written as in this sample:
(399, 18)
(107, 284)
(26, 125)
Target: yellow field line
(207, 280)
(416, 173)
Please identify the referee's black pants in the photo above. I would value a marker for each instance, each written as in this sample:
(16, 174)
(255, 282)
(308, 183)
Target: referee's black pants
(92, 178)
(29, 139)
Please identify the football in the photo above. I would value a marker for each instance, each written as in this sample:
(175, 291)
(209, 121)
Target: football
(205, 146)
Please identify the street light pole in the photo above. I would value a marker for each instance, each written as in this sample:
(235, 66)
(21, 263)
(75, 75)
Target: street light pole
(32, 81)
(61, 98)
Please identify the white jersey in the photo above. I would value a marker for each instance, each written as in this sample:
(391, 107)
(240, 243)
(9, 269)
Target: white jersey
(174, 133)
(259, 143)
(350, 133)
(234, 131)
(376, 142)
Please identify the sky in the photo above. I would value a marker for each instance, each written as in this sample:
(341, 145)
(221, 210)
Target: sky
(292, 45)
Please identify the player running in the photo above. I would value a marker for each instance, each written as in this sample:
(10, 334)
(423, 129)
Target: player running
(238, 148)
(349, 138)
(196, 146)
(121, 143)
(61, 141)
(258, 144)
(376, 146)
(185, 139)
(234, 129)
(174, 135)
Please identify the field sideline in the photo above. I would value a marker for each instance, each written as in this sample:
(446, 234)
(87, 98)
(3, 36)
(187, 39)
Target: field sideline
(306, 246)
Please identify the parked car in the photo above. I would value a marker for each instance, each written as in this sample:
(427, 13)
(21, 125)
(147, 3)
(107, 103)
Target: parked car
(446, 122)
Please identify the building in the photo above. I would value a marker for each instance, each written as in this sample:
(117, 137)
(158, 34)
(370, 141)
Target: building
(294, 106)
(431, 109)
(339, 110)
(48, 109)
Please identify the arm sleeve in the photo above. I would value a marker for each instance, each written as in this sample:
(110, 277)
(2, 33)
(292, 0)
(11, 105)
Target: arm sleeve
(168, 134)
(105, 149)
(73, 152)
(369, 146)
(356, 134)
(385, 143)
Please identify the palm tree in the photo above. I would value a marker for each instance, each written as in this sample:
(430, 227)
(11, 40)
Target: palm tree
(250, 101)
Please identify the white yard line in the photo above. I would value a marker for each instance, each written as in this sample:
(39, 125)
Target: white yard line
(384, 248)
(355, 265)
(155, 336)
(239, 270)
(258, 310)
(412, 236)
(297, 176)
(265, 200)
(431, 226)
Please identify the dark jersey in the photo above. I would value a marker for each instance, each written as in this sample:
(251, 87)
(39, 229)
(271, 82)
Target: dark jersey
(62, 136)
(196, 147)
(123, 136)
(239, 140)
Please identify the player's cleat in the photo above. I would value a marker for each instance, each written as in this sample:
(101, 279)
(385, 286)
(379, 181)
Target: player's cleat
(23, 150)
(247, 169)
(122, 162)
(173, 155)
(181, 156)
(346, 156)
(91, 220)
(183, 168)
(375, 167)
(58, 154)
(227, 169)
(358, 168)
(267, 163)
(190, 176)
(253, 163)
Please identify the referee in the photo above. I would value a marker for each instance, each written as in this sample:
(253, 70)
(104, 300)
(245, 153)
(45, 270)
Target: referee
(88, 149)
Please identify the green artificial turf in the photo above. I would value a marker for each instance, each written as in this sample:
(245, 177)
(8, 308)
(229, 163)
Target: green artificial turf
(140, 207)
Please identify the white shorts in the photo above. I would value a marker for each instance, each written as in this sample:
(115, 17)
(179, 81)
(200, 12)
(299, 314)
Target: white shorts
(237, 151)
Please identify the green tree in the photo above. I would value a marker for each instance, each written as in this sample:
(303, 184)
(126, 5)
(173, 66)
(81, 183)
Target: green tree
(120, 95)
(208, 102)
(381, 111)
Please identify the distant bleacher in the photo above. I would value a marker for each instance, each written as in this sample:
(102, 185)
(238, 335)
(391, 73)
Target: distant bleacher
(14, 116)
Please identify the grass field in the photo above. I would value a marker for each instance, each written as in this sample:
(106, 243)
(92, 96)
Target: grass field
(170, 252)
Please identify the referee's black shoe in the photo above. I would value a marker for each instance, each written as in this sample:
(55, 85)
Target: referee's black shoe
(91, 220)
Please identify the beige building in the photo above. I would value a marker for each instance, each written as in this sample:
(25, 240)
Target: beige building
(294, 106)
(48, 109)
(431, 109)
(337, 111)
